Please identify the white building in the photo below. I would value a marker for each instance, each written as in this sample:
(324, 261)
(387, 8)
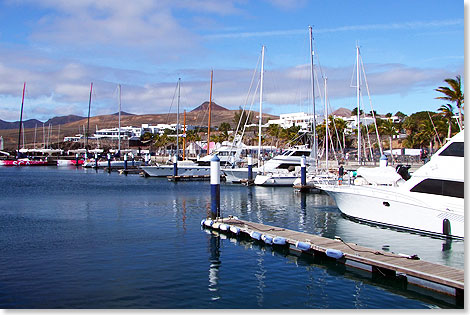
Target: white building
(305, 120)
(301, 119)
(113, 133)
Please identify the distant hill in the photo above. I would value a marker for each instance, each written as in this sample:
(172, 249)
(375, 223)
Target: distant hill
(62, 120)
(343, 112)
(122, 114)
(205, 106)
(30, 123)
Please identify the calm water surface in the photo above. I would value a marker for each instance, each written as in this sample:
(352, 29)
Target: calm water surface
(74, 238)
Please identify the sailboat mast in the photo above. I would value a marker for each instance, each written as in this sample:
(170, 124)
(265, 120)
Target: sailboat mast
(184, 134)
(88, 121)
(358, 92)
(119, 132)
(209, 120)
(178, 121)
(326, 125)
(21, 119)
(312, 79)
(35, 130)
(260, 103)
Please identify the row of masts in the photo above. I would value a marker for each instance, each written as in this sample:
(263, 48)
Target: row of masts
(314, 149)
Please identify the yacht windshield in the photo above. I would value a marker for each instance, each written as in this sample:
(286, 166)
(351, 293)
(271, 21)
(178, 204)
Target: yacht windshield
(454, 149)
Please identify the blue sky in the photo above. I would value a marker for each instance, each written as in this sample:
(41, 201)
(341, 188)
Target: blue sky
(58, 47)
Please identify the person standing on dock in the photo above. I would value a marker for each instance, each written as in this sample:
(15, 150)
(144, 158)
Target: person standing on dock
(340, 174)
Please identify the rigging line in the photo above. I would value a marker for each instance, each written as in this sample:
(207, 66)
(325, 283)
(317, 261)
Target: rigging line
(246, 101)
(372, 109)
(332, 145)
(250, 111)
(318, 60)
(336, 129)
(364, 116)
(368, 136)
(243, 111)
(437, 135)
(172, 100)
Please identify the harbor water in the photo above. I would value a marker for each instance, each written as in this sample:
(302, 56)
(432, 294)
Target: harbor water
(80, 238)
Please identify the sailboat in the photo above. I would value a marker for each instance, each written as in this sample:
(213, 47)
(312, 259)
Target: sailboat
(21, 159)
(115, 162)
(185, 167)
(281, 176)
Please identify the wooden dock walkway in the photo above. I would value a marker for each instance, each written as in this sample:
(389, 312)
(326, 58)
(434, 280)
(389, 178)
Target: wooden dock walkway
(435, 277)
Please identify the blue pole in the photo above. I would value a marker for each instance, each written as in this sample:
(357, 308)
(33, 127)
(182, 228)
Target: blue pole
(109, 162)
(215, 187)
(125, 161)
(175, 165)
(303, 171)
(96, 160)
(250, 167)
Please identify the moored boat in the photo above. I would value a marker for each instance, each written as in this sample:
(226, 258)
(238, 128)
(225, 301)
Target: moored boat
(430, 202)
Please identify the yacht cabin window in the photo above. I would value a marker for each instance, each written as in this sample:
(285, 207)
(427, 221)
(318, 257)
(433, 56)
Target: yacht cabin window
(454, 149)
(440, 187)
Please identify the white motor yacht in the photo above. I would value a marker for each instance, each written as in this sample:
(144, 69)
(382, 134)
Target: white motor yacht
(185, 167)
(283, 169)
(430, 202)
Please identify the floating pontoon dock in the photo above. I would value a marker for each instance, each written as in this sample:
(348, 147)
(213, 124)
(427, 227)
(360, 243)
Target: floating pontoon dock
(410, 269)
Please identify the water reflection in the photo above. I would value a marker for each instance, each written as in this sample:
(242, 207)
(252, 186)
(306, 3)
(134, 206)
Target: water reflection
(436, 250)
(214, 247)
(260, 275)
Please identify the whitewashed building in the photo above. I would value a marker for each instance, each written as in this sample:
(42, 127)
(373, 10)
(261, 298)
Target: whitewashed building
(301, 119)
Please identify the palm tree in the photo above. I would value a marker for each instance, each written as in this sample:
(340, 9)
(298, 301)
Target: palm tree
(447, 112)
(389, 129)
(453, 94)
(341, 126)
(425, 134)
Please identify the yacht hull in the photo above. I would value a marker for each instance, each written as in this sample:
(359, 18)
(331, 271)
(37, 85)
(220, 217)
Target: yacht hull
(400, 210)
(167, 170)
(275, 180)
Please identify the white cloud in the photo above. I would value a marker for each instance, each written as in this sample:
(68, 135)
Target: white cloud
(346, 28)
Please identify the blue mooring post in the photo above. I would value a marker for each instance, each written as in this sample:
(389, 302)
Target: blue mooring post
(215, 187)
(125, 161)
(250, 167)
(303, 171)
(109, 162)
(96, 161)
(175, 165)
(76, 159)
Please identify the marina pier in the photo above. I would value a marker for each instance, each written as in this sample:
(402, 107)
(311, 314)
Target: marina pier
(414, 273)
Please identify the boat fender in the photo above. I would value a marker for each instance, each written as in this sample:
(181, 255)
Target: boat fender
(224, 227)
(334, 253)
(202, 222)
(208, 222)
(446, 227)
(255, 235)
(216, 225)
(279, 240)
(267, 239)
(302, 245)
(235, 230)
